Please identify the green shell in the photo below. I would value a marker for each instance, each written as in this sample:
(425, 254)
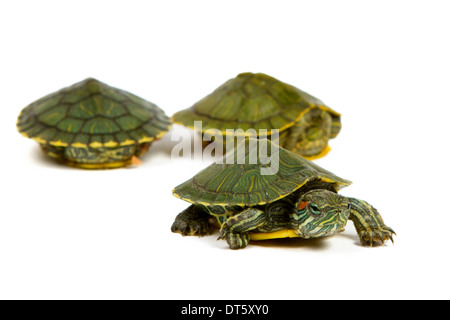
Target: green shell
(92, 114)
(227, 184)
(251, 101)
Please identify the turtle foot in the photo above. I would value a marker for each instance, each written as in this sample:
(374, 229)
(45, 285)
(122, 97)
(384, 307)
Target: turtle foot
(376, 237)
(234, 240)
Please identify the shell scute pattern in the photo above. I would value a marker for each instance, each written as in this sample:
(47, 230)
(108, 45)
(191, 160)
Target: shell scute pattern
(249, 101)
(91, 113)
(244, 185)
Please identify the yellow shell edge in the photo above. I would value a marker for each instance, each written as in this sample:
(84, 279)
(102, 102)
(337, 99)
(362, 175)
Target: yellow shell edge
(109, 144)
(321, 107)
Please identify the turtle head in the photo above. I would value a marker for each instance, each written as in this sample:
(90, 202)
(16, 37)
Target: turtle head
(320, 213)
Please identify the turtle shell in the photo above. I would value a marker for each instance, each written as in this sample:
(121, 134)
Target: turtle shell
(251, 101)
(241, 182)
(92, 114)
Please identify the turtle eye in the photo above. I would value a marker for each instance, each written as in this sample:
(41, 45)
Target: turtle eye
(314, 209)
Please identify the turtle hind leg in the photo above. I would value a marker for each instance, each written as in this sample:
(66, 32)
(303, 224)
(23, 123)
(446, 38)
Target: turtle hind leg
(193, 221)
(369, 224)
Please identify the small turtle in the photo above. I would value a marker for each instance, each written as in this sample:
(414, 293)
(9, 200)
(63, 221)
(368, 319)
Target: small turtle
(93, 126)
(258, 101)
(299, 199)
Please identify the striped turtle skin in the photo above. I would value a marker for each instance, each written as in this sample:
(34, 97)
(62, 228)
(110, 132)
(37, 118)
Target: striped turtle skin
(296, 199)
(92, 125)
(258, 101)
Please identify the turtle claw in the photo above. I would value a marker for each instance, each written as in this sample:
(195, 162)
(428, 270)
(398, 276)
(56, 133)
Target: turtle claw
(369, 224)
(375, 237)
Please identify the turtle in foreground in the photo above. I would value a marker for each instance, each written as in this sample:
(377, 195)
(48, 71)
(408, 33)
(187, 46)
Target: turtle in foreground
(251, 102)
(299, 199)
(93, 126)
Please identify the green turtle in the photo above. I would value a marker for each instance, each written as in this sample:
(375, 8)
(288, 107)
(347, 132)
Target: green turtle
(251, 102)
(92, 125)
(297, 199)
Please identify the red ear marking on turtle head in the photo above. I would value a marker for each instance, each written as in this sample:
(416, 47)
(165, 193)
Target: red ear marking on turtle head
(302, 205)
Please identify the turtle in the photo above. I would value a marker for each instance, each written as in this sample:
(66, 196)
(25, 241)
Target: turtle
(250, 104)
(297, 199)
(92, 125)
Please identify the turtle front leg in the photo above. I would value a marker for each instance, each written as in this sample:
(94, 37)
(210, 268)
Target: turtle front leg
(192, 222)
(235, 229)
(368, 223)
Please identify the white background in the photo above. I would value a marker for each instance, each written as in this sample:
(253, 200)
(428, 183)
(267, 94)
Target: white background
(72, 234)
